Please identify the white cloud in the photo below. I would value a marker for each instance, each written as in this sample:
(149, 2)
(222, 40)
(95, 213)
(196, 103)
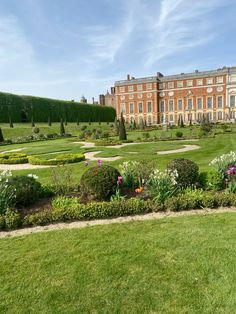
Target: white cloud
(180, 25)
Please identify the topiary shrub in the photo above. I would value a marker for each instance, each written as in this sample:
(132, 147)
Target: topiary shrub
(57, 160)
(99, 182)
(211, 180)
(36, 130)
(13, 158)
(179, 134)
(26, 188)
(187, 171)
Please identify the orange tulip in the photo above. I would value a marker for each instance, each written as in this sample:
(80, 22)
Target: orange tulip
(138, 190)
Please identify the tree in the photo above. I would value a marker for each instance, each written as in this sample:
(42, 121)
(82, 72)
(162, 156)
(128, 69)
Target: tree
(49, 120)
(134, 125)
(122, 131)
(181, 121)
(117, 127)
(1, 136)
(62, 128)
(142, 125)
(32, 121)
(10, 122)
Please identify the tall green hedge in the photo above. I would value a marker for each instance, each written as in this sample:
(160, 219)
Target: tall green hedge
(21, 109)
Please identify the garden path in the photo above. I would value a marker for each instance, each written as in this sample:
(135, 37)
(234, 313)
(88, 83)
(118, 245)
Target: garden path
(84, 224)
(91, 156)
(186, 148)
(21, 167)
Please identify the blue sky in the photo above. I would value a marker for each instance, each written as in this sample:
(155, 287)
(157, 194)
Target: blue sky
(68, 48)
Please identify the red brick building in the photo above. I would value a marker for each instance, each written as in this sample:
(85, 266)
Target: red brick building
(165, 99)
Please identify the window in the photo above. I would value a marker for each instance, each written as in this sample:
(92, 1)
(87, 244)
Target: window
(131, 88)
(232, 115)
(171, 105)
(199, 103)
(149, 85)
(140, 120)
(122, 89)
(209, 102)
(199, 117)
(200, 82)
(220, 115)
(220, 79)
(190, 104)
(232, 101)
(123, 108)
(180, 104)
(162, 106)
(209, 81)
(171, 118)
(190, 83)
(149, 106)
(209, 116)
(171, 85)
(140, 107)
(220, 101)
(180, 84)
(140, 87)
(131, 108)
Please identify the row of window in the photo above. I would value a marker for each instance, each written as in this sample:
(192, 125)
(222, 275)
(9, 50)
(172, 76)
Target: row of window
(140, 87)
(180, 104)
(140, 107)
(211, 116)
(199, 103)
(190, 83)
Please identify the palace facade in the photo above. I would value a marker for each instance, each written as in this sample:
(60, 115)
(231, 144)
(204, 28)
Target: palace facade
(188, 96)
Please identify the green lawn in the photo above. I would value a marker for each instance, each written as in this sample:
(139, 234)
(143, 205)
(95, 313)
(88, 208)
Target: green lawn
(177, 265)
(209, 149)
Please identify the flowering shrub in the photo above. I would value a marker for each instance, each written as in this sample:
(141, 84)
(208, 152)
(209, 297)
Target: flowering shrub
(223, 162)
(226, 166)
(136, 173)
(7, 196)
(162, 185)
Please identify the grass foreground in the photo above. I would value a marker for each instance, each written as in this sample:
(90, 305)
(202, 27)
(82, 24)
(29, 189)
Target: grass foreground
(175, 265)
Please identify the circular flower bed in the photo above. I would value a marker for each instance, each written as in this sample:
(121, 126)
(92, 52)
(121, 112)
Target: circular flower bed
(57, 160)
(13, 158)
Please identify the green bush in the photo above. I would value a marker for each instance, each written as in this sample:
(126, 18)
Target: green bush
(2, 222)
(109, 142)
(26, 189)
(13, 158)
(99, 182)
(211, 180)
(12, 219)
(179, 134)
(57, 160)
(187, 171)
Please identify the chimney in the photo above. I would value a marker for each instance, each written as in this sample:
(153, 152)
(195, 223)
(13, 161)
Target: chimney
(159, 74)
(128, 77)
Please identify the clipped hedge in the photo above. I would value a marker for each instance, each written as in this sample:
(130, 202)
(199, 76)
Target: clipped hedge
(70, 209)
(58, 160)
(13, 158)
(23, 108)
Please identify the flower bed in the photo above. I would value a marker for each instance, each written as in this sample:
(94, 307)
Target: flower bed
(58, 160)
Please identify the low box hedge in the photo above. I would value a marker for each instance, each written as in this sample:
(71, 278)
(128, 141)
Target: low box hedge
(58, 160)
(13, 158)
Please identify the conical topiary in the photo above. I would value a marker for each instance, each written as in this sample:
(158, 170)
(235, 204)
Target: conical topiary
(62, 128)
(1, 136)
(32, 121)
(10, 122)
(116, 123)
(49, 121)
(142, 125)
(134, 125)
(122, 131)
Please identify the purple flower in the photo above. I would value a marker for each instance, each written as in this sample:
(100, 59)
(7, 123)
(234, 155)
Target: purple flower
(119, 180)
(231, 170)
(99, 162)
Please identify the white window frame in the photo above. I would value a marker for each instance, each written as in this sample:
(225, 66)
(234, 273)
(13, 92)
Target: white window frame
(212, 102)
(148, 86)
(149, 102)
(139, 87)
(122, 89)
(209, 81)
(219, 79)
(131, 88)
(170, 85)
(172, 105)
(222, 105)
(131, 103)
(123, 108)
(189, 83)
(182, 104)
(188, 104)
(199, 82)
(140, 103)
(180, 84)
(201, 102)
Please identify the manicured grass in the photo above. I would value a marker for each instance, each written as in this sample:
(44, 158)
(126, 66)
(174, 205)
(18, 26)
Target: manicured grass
(178, 265)
(209, 149)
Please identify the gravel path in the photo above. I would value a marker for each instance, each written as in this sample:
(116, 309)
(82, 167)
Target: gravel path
(91, 156)
(84, 224)
(186, 148)
(12, 151)
(22, 167)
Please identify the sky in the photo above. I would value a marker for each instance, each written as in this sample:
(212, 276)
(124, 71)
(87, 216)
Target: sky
(68, 48)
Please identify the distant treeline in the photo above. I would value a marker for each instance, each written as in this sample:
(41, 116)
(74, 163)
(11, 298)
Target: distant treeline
(27, 108)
